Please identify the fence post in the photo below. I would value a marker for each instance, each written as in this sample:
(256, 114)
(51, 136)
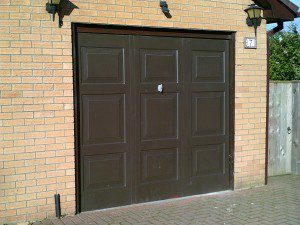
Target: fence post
(296, 129)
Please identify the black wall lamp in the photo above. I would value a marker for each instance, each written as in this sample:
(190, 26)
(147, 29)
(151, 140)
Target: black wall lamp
(61, 7)
(165, 8)
(53, 6)
(254, 16)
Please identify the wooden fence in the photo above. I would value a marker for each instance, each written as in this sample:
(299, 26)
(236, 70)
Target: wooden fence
(284, 128)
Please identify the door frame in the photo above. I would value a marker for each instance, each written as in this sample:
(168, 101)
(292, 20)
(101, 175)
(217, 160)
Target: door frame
(153, 31)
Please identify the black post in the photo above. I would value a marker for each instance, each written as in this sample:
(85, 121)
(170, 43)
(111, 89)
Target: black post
(57, 205)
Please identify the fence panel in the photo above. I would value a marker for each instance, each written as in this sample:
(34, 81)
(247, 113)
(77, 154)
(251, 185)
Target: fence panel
(280, 123)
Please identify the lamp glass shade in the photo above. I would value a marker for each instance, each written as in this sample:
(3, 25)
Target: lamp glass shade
(257, 13)
(54, 2)
(250, 13)
(253, 11)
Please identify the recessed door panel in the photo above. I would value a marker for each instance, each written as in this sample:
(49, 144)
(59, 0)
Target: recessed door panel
(95, 176)
(159, 165)
(159, 65)
(208, 113)
(208, 160)
(208, 66)
(103, 65)
(103, 118)
(159, 116)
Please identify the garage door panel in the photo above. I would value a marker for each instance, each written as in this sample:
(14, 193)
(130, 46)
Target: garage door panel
(103, 119)
(206, 87)
(103, 41)
(138, 144)
(208, 66)
(168, 87)
(207, 45)
(159, 116)
(208, 113)
(159, 165)
(162, 143)
(208, 139)
(208, 160)
(159, 65)
(156, 43)
(157, 191)
(101, 89)
(207, 184)
(90, 200)
(106, 148)
(103, 65)
(104, 115)
(96, 168)
(158, 144)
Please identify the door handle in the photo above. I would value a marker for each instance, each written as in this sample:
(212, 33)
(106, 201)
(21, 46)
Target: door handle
(160, 88)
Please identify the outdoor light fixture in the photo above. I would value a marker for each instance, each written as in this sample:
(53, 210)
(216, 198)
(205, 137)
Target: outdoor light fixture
(53, 6)
(254, 16)
(164, 6)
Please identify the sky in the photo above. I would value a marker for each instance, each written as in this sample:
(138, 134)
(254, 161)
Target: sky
(296, 21)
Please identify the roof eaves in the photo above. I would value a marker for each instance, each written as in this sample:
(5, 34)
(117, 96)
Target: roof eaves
(291, 6)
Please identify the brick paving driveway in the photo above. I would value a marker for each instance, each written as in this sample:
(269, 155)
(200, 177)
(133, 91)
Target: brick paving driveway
(277, 203)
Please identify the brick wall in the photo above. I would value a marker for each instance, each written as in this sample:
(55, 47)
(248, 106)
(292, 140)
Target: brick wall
(36, 94)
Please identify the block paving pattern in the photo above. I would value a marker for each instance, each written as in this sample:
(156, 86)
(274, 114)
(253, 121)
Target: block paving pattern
(276, 203)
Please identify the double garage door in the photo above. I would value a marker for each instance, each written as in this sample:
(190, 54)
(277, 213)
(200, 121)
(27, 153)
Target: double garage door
(154, 118)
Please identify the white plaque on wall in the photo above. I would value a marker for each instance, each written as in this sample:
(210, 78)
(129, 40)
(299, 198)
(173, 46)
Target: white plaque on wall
(250, 43)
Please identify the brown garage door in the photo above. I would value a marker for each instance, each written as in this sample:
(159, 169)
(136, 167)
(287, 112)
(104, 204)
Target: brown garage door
(154, 117)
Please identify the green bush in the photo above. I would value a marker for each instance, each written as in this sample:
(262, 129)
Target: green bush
(285, 55)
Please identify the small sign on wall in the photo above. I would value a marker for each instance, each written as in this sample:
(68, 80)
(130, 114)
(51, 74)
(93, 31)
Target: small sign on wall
(250, 43)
